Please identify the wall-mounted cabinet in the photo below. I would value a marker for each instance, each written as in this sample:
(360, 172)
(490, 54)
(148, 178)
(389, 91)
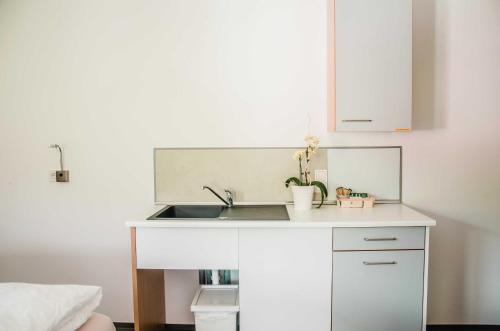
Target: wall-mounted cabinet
(370, 71)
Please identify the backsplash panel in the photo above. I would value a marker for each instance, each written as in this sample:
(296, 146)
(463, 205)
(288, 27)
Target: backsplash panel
(258, 174)
(254, 175)
(372, 170)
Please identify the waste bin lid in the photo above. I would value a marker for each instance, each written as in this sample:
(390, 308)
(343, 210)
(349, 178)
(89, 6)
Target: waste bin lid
(216, 298)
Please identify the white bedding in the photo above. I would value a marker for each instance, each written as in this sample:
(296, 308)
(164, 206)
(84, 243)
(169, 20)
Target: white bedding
(35, 307)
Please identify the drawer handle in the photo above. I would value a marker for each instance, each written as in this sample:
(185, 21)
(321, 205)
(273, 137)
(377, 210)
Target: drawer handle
(355, 121)
(379, 263)
(380, 239)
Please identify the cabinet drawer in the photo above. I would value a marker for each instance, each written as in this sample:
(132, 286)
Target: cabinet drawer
(186, 248)
(362, 239)
(379, 291)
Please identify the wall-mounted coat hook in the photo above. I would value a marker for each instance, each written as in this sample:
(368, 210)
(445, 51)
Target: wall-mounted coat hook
(62, 175)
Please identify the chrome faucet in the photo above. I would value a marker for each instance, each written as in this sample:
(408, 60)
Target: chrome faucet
(229, 196)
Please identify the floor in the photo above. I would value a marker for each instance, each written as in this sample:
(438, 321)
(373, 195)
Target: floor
(463, 328)
(123, 327)
(429, 328)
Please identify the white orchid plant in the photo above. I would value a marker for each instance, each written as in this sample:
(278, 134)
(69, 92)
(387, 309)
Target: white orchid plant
(304, 157)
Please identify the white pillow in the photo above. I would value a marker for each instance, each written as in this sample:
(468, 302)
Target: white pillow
(36, 307)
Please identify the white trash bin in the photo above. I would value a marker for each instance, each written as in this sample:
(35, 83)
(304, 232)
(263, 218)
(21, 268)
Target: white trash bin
(215, 308)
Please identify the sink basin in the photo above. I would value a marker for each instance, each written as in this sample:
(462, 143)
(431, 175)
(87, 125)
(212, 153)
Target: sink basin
(255, 213)
(214, 212)
(187, 212)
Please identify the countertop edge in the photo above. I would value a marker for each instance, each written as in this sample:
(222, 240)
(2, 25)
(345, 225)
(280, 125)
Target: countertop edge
(276, 224)
(397, 215)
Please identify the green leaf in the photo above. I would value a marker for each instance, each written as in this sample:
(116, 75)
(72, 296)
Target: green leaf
(322, 189)
(295, 180)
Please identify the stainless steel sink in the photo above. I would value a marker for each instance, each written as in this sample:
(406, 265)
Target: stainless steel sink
(188, 212)
(255, 213)
(214, 212)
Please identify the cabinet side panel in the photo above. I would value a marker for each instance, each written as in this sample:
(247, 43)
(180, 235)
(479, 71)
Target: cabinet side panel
(331, 89)
(426, 279)
(149, 294)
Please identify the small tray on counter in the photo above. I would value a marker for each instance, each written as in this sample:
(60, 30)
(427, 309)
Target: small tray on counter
(355, 200)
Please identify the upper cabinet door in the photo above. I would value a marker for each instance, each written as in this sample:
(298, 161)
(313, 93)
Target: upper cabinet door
(372, 66)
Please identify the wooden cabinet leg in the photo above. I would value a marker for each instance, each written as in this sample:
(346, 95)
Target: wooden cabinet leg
(149, 294)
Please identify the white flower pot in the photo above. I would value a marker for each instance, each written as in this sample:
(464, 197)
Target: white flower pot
(302, 197)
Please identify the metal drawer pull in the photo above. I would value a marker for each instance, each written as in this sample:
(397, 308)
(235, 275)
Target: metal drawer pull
(356, 121)
(379, 263)
(380, 239)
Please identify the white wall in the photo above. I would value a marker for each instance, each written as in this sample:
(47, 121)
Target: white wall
(110, 80)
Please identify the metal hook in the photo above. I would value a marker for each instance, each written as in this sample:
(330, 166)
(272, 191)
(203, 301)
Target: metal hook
(60, 154)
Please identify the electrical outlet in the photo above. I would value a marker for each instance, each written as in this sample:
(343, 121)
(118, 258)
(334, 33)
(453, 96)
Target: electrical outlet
(321, 175)
(62, 176)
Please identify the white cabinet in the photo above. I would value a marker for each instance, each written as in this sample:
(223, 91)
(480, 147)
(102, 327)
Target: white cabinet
(285, 279)
(372, 67)
(378, 290)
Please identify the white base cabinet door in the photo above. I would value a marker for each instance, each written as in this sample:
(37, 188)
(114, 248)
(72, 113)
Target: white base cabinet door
(378, 290)
(285, 279)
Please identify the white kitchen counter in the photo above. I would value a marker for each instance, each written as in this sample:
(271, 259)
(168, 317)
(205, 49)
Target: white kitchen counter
(381, 215)
(378, 255)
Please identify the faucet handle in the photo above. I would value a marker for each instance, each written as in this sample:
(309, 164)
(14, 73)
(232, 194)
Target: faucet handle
(229, 196)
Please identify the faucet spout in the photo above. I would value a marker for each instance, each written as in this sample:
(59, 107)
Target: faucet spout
(229, 195)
